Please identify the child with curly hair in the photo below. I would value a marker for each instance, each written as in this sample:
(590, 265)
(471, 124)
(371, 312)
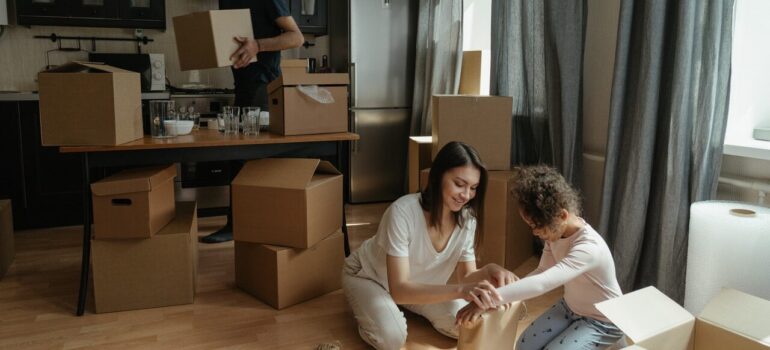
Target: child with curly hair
(575, 256)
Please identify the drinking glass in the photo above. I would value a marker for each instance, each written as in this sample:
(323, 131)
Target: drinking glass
(232, 117)
(160, 112)
(250, 120)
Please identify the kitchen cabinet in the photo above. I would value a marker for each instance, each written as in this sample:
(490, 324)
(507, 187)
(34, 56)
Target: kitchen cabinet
(43, 184)
(310, 15)
(93, 13)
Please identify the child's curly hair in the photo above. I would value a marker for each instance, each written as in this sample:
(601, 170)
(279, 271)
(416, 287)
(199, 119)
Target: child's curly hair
(542, 192)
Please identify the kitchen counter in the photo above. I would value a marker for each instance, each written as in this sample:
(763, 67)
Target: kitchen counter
(33, 96)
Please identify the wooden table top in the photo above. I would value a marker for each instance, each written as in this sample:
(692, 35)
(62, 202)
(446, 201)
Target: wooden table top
(210, 138)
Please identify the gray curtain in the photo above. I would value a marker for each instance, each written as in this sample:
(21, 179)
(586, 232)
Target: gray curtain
(438, 57)
(537, 58)
(668, 115)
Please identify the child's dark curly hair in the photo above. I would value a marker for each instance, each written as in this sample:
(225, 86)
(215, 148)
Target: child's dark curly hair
(542, 192)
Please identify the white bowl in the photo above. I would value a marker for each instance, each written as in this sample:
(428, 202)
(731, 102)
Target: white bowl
(178, 127)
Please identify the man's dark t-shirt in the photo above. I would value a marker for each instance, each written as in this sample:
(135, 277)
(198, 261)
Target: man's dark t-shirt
(263, 16)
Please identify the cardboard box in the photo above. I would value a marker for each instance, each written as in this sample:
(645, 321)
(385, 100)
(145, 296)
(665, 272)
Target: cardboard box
(206, 39)
(496, 329)
(7, 247)
(288, 202)
(474, 73)
(508, 240)
(294, 67)
(145, 273)
(293, 112)
(281, 276)
(419, 158)
(731, 320)
(483, 122)
(134, 203)
(83, 103)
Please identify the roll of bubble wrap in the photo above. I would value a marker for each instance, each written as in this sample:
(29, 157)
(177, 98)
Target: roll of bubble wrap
(729, 246)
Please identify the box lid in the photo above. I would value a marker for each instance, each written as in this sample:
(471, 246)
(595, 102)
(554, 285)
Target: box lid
(134, 180)
(740, 313)
(80, 66)
(294, 63)
(295, 77)
(648, 317)
(292, 173)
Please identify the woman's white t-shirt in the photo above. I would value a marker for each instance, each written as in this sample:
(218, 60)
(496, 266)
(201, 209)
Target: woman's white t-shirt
(403, 232)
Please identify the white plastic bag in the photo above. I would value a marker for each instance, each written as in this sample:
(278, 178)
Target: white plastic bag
(316, 93)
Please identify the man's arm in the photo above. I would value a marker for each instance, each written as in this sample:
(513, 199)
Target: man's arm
(290, 38)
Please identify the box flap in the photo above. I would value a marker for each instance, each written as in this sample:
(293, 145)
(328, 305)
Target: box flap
(294, 63)
(739, 313)
(646, 315)
(79, 66)
(296, 77)
(133, 180)
(293, 173)
(324, 167)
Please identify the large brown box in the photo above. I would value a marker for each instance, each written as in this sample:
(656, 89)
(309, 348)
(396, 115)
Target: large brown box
(483, 122)
(133, 203)
(145, 273)
(508, 240)
(7, 250)
(83, 103)
(293, 112)
(206, 39)
(419, 151)
(288, 202)
(281, 276)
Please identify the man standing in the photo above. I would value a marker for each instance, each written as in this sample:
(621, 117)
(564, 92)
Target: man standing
(274, 30)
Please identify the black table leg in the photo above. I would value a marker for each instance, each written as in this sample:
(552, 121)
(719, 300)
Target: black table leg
(341, 165)
(86, 258)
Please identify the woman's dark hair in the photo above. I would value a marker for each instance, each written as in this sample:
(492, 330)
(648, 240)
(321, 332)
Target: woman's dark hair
(452, 155)
(542, 192)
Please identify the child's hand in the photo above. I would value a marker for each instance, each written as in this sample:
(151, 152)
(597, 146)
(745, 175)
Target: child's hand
(468, 315)
(499, 276)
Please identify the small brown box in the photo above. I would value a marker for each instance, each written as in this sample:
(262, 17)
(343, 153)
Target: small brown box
(132, 274)
(483, 122)
(7, 250)
(293, 112)
(281, 276)
(134, 203)
(206, 39)
(288, 202)
(84, 103)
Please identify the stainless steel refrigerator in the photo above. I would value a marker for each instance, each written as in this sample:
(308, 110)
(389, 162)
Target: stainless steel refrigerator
(374, 40)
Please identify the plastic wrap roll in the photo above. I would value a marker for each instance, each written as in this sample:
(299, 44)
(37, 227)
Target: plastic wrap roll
(729, 246)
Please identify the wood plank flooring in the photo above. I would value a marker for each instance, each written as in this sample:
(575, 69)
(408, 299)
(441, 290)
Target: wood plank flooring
(39, 292)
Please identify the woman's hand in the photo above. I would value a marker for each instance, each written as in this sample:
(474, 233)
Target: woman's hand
(499, 276)
(468, 315)
(483, 294)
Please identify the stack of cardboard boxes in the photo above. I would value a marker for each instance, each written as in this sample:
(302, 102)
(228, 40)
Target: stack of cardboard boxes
(484, 123)
(287, 215)
(144, 244)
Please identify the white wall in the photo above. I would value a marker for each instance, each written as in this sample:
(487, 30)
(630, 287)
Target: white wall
(22, 56)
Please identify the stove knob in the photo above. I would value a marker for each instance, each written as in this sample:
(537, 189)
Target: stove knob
(157, 64)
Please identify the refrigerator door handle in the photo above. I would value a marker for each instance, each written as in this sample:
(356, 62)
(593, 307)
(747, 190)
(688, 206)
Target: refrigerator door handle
(354, 127)
(352, 71)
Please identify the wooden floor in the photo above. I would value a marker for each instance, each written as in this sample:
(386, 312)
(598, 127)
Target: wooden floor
(39, 292)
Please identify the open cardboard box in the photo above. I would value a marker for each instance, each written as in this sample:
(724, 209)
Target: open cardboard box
(732, 320)
(289, 202)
